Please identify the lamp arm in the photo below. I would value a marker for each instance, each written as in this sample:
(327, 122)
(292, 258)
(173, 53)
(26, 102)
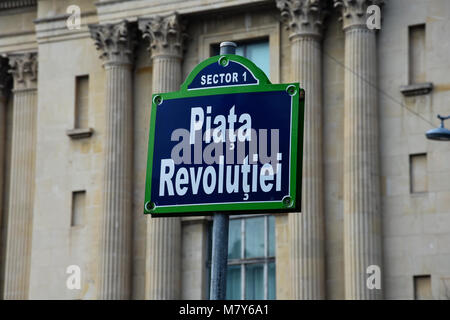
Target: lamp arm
(443, 119)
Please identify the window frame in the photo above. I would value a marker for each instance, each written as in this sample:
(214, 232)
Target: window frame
(270, 32)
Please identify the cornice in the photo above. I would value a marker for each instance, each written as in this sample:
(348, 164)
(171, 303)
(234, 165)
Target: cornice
(15, 4)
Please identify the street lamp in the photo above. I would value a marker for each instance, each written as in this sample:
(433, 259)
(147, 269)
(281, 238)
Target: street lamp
(441, 133)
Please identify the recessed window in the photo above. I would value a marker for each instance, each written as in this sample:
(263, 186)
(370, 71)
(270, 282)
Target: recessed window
(257, 51)
(82, 102)
(417, 52)
(78, 207)
(251, 258)
(422, 287)
(418, 173)
(80, 128)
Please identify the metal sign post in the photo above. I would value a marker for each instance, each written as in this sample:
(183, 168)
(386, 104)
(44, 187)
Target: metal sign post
(219, 258)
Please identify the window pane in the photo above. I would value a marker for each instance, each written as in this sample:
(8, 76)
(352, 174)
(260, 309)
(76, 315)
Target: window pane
(254, 237)
(240, 50)
(254, 281)
(271, 236)
(271, 290)
(234, 239)
(234, 283)
(259, 54)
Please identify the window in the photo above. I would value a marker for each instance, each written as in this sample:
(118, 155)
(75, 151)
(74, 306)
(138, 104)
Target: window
(422, 288)
(78, 207)
(418, 173)
(256, 51)
(251, 258)
(417, 54)
(82, 102)
(81, 121)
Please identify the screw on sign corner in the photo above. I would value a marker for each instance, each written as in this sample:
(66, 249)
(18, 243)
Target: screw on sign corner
(291, 90)
(150, 206)
(287, 202)
(158, 100)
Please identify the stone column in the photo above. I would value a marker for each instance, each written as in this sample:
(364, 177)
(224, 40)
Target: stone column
(304, 20)
(4, 88)
(163, 264)
(21, 191)
(362, 214)
(116, 42)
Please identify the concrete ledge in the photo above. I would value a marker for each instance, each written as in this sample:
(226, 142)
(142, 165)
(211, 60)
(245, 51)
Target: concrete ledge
(80, 133)
(416, 89)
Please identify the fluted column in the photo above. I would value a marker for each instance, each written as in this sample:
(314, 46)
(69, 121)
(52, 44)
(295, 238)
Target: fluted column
(21, 191)
(163, 257)
(304, 20)
(4, 83)
(116, 42)
(362, 214)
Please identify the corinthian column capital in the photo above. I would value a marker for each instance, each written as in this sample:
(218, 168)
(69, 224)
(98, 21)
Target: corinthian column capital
(24, 68)
(303, 17)
(116, 41)
(353, 12)
(165, 33)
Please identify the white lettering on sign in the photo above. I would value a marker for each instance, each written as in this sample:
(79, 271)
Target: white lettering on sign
(218, 131)
(221, 78)
(210, 180)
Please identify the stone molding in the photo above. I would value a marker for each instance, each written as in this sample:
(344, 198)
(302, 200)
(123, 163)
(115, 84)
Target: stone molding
(303, 17)
(416, 89)
(116, 41)
(165, 33)
(13, 4)
(353, 12)
(79, 133)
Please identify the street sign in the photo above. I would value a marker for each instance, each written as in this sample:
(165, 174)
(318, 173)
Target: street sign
(228, 141)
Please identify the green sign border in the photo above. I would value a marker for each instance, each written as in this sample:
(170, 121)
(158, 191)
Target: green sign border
(264, 85)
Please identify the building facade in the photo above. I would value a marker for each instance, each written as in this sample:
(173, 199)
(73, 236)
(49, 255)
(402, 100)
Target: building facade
(75, 99)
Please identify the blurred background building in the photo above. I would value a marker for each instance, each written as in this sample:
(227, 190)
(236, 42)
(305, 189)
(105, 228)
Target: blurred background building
(74, 122)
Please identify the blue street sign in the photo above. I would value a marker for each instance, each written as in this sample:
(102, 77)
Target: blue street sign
(228, 141)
